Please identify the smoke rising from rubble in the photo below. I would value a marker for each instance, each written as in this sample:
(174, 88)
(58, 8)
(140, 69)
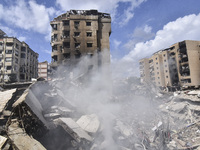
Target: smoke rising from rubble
(118, 103)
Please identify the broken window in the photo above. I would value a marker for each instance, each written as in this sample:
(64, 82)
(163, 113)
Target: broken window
(150, 61)
(65, 22)
(23, 55)
(76, 24)
(16, 53)
(66, 44)
(23, 49)
(172, 54)
(66, 55)
(17, 46)
(76, 34)
(89, 34)
(66, 34)
(55, 58)
(9, 44)
(8, 51)
(186, 80)
(77, 45)
(54, 38)
(89, 44)
(88, 23)
(54, 26)
(8, 67)
(54, 48)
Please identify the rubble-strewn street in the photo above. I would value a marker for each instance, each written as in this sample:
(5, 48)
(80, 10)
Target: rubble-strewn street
(67, 114)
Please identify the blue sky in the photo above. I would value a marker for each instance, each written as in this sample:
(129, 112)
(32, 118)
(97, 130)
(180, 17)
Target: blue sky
(139, 27)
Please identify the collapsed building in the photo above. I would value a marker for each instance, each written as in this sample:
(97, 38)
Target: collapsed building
(176, 66)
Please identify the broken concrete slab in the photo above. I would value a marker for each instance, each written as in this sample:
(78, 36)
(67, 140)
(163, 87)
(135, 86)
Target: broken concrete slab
(73, 129)
(21, 140)
(89, 123)
(5, 96)
(2, 141)
(33, 103)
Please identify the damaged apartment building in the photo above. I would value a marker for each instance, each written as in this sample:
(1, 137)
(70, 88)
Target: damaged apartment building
(176, 66)
(78, 33)
(18, 62)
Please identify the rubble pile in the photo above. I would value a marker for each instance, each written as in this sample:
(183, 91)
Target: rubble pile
(69, 114)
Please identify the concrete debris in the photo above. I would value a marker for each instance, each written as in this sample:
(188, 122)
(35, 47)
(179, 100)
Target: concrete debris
(73, 129)
(21, 140)
(2, 141)
(89, 123)
(5, 96)
(45, 116)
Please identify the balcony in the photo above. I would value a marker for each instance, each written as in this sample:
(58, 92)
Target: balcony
(9, 47)
(1, 55)
(183, 50)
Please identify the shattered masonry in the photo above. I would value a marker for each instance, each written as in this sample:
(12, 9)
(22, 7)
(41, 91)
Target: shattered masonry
(44, 118)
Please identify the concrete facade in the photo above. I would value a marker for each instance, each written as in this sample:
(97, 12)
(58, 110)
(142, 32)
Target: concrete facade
(43, 70)
(176, 66)
(18, 63)
(80, 33)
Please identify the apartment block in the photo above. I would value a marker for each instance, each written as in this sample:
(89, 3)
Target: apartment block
(176, 66)
(43, 70)
(78, 33)
(18, 62)
(144, 70)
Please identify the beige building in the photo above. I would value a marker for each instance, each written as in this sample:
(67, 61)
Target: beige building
(18, 63)
(175, 66)
(80, 33)
(43, 70)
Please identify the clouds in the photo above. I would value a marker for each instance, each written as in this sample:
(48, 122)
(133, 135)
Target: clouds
(184, 28)
(107, 6)
(27, 15)
(140, 34)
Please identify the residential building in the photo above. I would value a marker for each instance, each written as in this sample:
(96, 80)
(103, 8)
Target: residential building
(176, 66)
(18, 62)
(43, 69)
(144, 70)
(78, 33)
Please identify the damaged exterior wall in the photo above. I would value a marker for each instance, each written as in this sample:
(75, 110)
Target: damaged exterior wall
(80, 33)
(175, 66)
(18, 63)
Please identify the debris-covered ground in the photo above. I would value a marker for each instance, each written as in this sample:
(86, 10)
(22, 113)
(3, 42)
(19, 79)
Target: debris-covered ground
(75, 112)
